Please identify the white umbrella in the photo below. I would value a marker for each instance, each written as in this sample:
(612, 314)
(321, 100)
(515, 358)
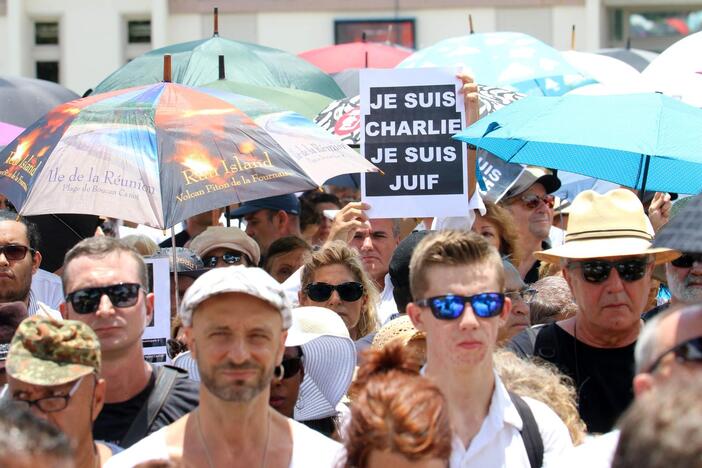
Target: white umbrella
(613, 76)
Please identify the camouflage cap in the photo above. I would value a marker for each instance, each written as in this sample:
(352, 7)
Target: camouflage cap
(49, 352)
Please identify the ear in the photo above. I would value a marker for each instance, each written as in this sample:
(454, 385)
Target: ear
(281, 219)
(415, 315)
(567, 277)
(506, 309)
(643, 383)
(63, 308)
(36, 261)
(99, 397)
(149, 309)
(189, 339)
(281, 347)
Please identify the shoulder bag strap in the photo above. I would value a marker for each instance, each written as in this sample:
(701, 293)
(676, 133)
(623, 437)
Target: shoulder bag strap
(530, 432)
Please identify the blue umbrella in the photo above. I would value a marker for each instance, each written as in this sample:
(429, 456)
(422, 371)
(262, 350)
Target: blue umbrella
(505, 59)
(643, 141)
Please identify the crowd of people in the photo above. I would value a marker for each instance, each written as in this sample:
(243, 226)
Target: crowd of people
(313, 336)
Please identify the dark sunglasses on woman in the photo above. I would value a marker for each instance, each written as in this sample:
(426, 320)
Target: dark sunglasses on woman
(291, 366)
(452, 306)
(230, 258)
(348, 292)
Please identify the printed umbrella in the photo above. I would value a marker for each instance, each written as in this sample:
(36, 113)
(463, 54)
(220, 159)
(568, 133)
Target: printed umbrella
(196, 63)
(637, 140)
(683, 230)
(503, 59)
(340, 57)
(8, 133)
(24, 100)
(159, 154)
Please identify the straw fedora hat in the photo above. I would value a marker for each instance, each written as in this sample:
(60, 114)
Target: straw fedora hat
(609, 225)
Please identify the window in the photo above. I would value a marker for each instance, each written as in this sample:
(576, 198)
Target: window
(396, 31)
(48, 71)
(46, 33)
(139, 32)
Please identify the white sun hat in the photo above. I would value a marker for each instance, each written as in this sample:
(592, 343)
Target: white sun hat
(329, 361)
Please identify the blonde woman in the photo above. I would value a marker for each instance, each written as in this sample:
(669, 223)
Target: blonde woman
(334, 278)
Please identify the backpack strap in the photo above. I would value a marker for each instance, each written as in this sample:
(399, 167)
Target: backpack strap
(165, 381)
(546, 344)
(533, 443)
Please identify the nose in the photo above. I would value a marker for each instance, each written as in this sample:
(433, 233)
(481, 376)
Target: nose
(105, 306)
(519, 307)
(238, 352)
(367, 243)
(696, 268)
(468, 321)
(614, 282)
(334, 299)
(3, 258)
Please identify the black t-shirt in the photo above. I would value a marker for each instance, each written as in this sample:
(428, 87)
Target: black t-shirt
(603, 376)
(115, 418)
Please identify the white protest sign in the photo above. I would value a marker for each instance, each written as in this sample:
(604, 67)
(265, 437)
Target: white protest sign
(159, 330)
(408, 117)
(498, 175)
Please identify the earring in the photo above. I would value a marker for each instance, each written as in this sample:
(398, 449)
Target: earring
(279, 372)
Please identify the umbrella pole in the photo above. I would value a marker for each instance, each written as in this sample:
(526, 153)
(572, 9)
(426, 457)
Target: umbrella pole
(175, 268)
(647, 161)
(227, 214)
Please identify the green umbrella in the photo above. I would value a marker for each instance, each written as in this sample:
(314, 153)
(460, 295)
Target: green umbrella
(195, 63)
(303, 102)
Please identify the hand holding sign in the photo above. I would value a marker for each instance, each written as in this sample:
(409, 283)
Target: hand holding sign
(471, 99)
(347, 221)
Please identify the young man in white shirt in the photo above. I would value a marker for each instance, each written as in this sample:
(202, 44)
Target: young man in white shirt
(457, 282)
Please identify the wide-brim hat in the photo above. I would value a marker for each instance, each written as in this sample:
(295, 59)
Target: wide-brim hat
(609, 225)
(530, 176)
(329, 361)
(400, 328)
(233, 238)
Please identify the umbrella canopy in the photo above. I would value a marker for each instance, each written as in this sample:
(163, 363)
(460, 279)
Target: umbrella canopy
(638, 140)
(607, 71)
(683, 231)
(8, 133)
(637, 58)
(24, 100)
(196, 63)
(340, 57)
(159, 154)
(503, 59)
(296, 100)
(677, 71)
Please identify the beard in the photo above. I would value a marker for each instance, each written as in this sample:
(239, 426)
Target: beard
(19, 291)
(238, 390)
(683, 291)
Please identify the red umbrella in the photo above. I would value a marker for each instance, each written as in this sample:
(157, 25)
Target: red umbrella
(334, 59)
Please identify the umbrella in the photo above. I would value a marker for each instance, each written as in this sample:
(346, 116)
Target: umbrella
(24, 100)
(676, 71)
(637, 58)
(683, 230)
(607, 71)
(303, 102)
(195, 64)
(158, 154)
(8, 133)
(637, 140)
(503, 59)
(340, 57)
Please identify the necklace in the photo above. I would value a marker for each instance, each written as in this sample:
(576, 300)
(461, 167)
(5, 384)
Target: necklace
(207, 450)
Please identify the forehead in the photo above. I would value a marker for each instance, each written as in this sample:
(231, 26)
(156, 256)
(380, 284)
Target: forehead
(13, 230)
(461, 279)
(260, 214)
(679, 327)
(535, 189)
(294, 256)
(18, 386)
(103, 270)
(236, 310)
(381, 225)
(332, 272)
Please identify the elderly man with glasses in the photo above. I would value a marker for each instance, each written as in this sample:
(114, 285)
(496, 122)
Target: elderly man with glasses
(53, 368)
(607, 261)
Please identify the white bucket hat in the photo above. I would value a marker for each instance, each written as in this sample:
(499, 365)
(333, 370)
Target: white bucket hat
(329, 361)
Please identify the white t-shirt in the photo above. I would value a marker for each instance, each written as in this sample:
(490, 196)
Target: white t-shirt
(310, 449)
(595, 452)
(47, 288)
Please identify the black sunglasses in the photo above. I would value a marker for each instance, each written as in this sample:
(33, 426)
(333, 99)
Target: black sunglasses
(452, 306)
(15, 252)
(291, 366)
(87, 300)
(348, 292)
(687, 351)
(597, 271)
(686, 260)
(230, 258)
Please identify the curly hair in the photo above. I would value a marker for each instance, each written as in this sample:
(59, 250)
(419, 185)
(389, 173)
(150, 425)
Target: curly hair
(396, 410)
(504, 222)
(338, 253)
(543, 382)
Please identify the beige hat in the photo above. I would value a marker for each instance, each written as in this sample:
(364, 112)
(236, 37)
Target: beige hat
(215, 237)
(609, 225)
(399, 328)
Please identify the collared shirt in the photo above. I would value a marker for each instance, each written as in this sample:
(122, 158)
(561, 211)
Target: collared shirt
(498, 443)
(47, 288)
(595, 452)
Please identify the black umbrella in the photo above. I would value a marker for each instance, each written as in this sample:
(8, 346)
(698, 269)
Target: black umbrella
(683, 230)
(25, 100)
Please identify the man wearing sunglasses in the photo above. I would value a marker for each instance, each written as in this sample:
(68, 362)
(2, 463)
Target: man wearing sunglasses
(607, 261)
(53, 369)
(221, 246)
(457, 282)
(105, 282)
(530, 202)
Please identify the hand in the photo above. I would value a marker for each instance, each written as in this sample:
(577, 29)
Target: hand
(347, 221)
(659, 211)
(471, 98)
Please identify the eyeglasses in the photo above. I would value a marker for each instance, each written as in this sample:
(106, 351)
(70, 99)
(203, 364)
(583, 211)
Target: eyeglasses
(230, 258)
(348, 292)
(597, 271)
(686, 260)
(532, 201)
(291, 366)
(87, 300)
(688, 351)
(525, 294)
(451, 306)
(15, 252)
(52, 404)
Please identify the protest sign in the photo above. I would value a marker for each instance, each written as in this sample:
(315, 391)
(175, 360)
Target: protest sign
(408, 119)
(498, 175)
(159, 330)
